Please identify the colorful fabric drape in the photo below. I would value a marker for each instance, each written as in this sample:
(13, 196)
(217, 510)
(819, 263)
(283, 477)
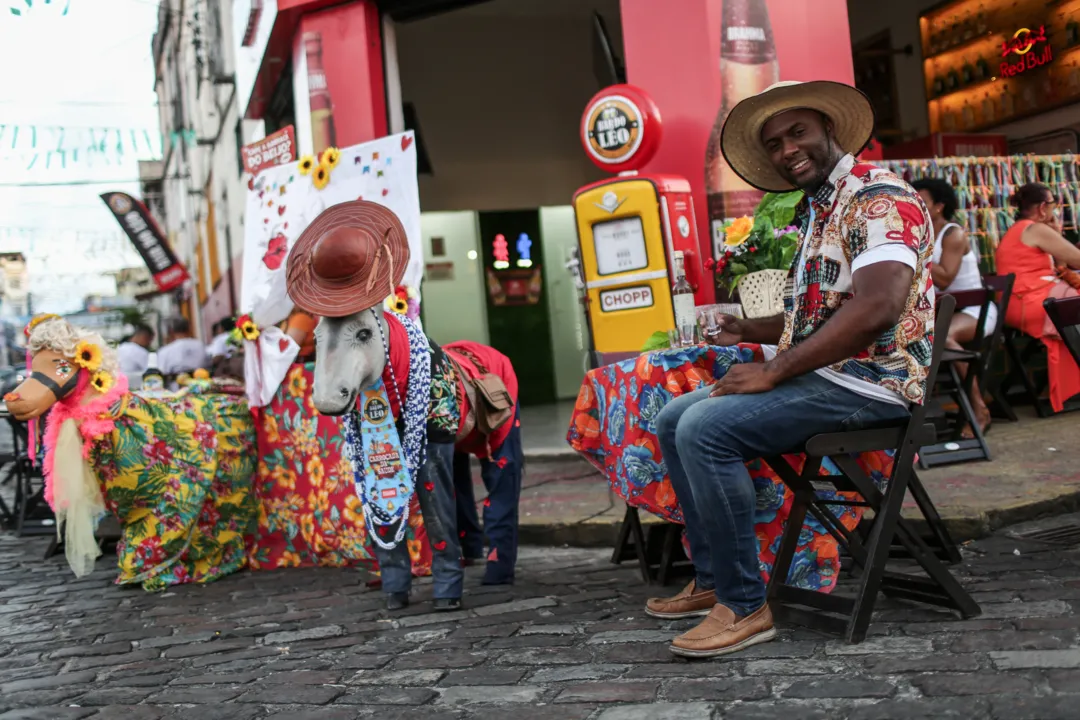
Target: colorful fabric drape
(176, 473)
(614, 427)
(309, 514)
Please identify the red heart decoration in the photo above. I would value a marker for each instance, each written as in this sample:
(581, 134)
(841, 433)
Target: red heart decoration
(286, 227)
(266, 220)
(385, 192)
(429, 486)
(487, 502)
(283, 344)
(251, 183)
(406, 141)
(360, 197)
(441, 545)
(280, 209)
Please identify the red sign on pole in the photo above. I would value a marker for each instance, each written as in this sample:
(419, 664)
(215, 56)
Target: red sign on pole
(276, 149)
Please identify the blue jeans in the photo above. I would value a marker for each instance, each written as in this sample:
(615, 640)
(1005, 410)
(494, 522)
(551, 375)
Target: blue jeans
(502, 477)
(706, 443)
(437, 507)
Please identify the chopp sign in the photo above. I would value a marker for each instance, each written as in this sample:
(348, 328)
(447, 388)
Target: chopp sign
(626, 298)
(1021, 48)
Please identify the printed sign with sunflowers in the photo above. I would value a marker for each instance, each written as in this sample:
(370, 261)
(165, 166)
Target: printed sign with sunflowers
(766, 241)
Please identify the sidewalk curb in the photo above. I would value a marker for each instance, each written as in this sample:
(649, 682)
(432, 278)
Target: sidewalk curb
(602, 532)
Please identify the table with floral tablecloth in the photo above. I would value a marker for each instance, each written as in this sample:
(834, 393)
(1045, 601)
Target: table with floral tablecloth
(309, 514)
(614, 427)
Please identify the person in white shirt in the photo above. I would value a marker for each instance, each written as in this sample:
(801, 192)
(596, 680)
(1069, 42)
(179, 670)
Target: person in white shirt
(219, 346)
(183, 353)
(134, 353)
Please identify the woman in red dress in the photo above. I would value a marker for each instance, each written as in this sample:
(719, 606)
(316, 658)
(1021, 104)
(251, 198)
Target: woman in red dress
(1033, 249)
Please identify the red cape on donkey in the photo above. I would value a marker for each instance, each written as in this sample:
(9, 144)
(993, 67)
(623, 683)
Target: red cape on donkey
(420, 403)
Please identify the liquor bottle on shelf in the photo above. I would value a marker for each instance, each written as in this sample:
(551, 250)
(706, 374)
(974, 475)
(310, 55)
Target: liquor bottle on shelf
(967, 72)
(989, 110)
(934, 43)
(1008, 103)
(955, 31)
(323, 133)
(968, 27)
(682, 295)
(1072, 33)
(952, 80)
(981, 26)
(1074, 78)
(967, 116)
(748, 65)
(938, 87)
(948, 120)
(982, 70)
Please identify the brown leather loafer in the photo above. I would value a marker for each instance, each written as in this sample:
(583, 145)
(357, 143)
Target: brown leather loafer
(686, 604)
(721, 632)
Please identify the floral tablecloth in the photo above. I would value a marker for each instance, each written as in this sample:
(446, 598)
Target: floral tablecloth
(309, 514)
(614, 427)
(176, 473)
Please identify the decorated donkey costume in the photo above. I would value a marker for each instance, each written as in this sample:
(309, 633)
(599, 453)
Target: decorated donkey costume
(408, 403)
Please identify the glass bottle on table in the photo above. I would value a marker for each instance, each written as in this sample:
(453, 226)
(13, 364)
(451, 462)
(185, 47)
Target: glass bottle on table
(682, 297)
(152, 379)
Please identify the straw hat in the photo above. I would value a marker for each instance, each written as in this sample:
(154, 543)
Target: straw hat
(349, 259)
(740, 140)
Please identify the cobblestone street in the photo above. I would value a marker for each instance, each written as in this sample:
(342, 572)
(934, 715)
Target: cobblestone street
(569, 641)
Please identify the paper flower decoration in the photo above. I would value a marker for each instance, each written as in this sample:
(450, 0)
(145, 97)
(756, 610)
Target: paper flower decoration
(247, 327)
(320, 178)
(330, 157)
(738, 231)
(307, 163)
(88, 356)
(102, 381)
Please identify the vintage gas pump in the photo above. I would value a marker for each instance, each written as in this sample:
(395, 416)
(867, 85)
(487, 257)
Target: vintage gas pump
(629, 226)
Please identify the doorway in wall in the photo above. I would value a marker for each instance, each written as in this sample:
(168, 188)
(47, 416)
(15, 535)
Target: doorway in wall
(517, 305)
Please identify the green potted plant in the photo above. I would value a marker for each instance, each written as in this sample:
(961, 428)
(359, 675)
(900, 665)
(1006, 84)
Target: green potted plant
(757, 253)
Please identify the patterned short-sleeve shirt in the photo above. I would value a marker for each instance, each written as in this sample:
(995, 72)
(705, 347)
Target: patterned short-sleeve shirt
(859, 209)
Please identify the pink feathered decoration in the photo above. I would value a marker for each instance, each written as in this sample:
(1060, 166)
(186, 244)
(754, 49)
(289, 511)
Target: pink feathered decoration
(92, 419)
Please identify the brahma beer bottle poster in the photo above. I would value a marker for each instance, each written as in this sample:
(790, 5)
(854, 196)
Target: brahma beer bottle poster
(761, 42)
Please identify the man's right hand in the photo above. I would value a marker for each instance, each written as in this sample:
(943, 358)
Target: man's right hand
(731, 332)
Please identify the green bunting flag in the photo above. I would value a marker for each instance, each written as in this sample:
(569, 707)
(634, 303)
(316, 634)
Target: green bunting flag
(17, 9)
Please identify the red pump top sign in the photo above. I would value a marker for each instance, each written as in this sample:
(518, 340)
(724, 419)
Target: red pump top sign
(621, 128)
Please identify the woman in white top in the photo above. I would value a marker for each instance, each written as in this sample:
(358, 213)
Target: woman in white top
(956, 267)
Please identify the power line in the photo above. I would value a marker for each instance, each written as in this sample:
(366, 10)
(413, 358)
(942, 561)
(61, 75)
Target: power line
(71, 183)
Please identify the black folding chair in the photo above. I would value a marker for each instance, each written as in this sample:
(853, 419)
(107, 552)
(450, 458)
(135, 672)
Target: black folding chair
(850, 616)
(657, 549)
(1020, 386)
(953, 448)
(1065, 314)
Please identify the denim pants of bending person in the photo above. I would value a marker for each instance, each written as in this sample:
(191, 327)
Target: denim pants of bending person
(440, 521)
(707, 441)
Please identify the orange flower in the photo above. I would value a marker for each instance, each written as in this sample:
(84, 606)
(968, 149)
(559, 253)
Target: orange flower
(354, 512)
(585, 398)
(665, 495)
(738, 231)
(307, 526)
(288, 559)
(270, 426)
(297, 381)
(284, 478)
(315, 471)
(414, 549)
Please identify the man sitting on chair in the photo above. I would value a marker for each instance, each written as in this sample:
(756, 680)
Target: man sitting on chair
(853, 344)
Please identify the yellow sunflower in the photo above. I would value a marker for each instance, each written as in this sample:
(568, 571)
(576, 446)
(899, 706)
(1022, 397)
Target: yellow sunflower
(331, 156)
(102, 382)
(399, 305)
(738, 231)
(88, 355)
(249, 330)
(320, 178)
(307, 163)
(297, 382)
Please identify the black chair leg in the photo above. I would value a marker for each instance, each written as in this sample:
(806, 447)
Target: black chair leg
(631, 530)
(672, 533)
(943, 540)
